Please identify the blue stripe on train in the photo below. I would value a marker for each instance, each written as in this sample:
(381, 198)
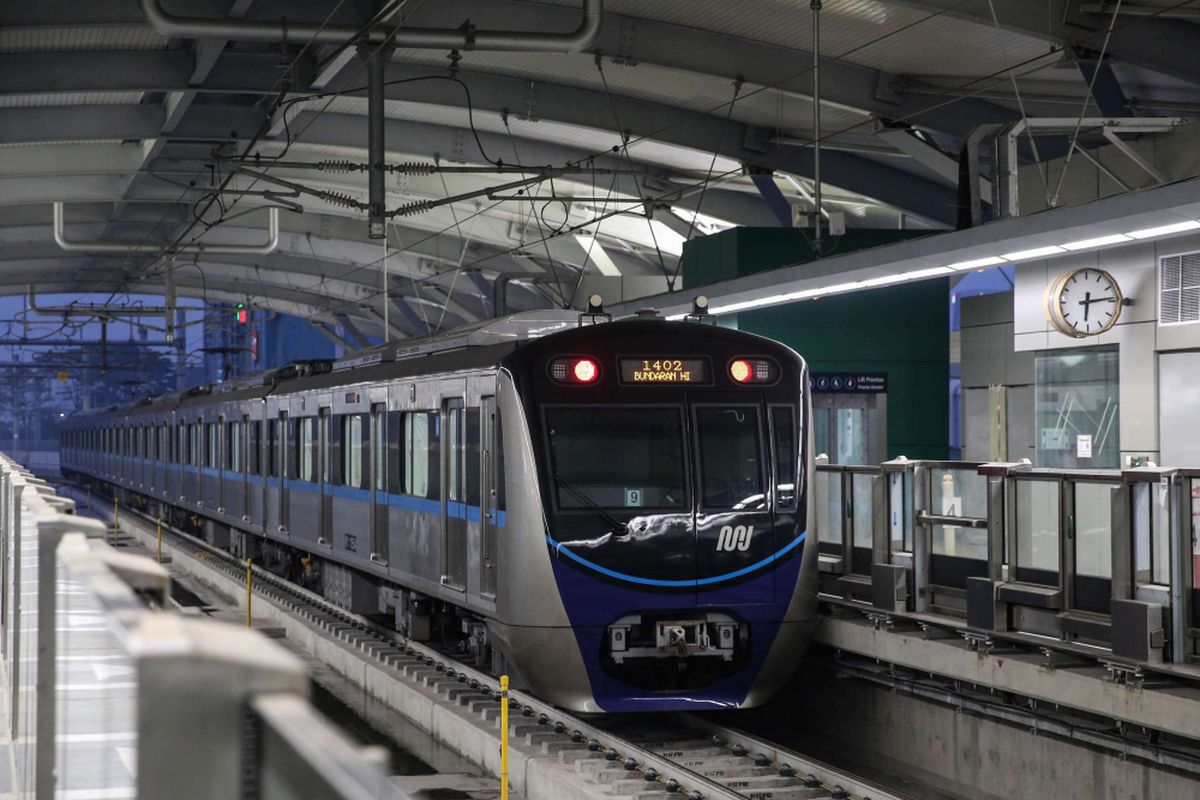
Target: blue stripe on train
(680, 584)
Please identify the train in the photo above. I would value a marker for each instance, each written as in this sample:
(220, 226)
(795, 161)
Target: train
(613, 512)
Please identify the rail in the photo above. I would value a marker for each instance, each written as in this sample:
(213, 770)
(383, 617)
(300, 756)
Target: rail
(112, 696)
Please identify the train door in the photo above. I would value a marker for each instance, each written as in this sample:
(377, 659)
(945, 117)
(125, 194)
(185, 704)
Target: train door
(379, 507)
(286, 467)
(491, 477)
(249, 463)
(222, 462)
(734, 525)
(324, 490)
(454, 507)
(197, 436)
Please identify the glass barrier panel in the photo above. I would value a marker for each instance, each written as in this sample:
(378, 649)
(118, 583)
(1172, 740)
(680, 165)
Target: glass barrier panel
(864, 509)
(829, 507)
(958, 492)
(821, 430)
(959, 542)
(900, 502)
(1160, 532)
(1193, 525)
(1037, 530)
(1093, 529)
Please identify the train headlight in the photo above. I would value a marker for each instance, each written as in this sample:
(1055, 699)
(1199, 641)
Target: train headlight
(576, 369)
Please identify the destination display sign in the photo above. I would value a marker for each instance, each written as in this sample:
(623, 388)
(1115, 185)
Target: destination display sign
(642, 370)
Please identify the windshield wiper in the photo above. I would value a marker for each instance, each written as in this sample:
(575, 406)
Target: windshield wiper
(623, 527)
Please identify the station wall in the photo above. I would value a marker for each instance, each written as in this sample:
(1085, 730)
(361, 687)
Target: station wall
(997, 383)
(903, 331)
(1159, 387)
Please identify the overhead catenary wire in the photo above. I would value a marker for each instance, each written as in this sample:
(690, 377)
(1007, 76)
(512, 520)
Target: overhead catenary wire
(967, 86)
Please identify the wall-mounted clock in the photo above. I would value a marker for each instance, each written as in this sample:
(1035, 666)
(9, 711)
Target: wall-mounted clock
(1084, 302)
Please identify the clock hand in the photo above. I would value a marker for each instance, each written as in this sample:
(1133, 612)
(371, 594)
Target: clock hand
(1086, 302)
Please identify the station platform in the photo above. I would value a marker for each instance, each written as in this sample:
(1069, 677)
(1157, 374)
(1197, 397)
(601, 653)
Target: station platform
(1071, 589)
(109, 695)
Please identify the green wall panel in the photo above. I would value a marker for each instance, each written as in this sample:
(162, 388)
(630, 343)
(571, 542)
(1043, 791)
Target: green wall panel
(902, 330)
(744, 251)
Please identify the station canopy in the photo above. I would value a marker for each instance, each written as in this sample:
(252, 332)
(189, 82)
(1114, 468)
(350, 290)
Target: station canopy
(149, 146)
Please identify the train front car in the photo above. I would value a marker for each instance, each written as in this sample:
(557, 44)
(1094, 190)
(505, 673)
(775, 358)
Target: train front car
(667, 464)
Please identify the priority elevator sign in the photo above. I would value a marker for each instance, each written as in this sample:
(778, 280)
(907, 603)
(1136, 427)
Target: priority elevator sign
(848, 382)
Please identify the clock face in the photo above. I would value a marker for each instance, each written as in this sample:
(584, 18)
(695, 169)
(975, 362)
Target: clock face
(1085, 302)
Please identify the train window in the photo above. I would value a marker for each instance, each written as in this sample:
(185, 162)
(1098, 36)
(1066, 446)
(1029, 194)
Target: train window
(422, 451)
(454, 450)
(291, 441)
(196, 450)
(181, 448)
(211, 445)
(783, 440)
(498, 474)
(730, 457)
(616, 457)
(472, 449)
(324, 448)
(352, 450)
(307, 445)
(254, 454)
(273, 449)
(378, 445)
(233, 446)
(395, 463)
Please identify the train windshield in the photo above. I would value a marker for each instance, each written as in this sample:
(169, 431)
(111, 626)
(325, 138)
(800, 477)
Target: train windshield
(617, 457)
(730, 457)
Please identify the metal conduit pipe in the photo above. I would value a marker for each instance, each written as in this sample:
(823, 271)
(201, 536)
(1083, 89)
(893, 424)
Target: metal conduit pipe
(242, 30)
(147, 247)
(97, 309)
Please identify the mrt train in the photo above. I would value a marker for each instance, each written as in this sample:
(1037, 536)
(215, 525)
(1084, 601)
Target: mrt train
(616, 513)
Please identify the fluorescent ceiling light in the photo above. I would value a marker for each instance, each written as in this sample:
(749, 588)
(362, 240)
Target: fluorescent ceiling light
(975, 263)
(1099, 241)
(1036, 252)
(1164, 230)
(883, 281)
(918, 274)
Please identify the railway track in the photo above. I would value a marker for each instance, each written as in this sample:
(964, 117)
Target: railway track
(668, 756)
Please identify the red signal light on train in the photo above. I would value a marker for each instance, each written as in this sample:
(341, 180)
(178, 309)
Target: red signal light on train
(577, 370)
(585, 370)
(741, 371)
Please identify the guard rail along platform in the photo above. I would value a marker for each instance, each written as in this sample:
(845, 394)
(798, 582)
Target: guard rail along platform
(1091, 579)
(111, 696)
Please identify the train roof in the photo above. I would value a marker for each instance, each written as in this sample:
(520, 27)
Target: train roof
(480, 345)
(513, 328)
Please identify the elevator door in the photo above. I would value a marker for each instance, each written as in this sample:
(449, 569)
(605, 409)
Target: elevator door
(850, 428)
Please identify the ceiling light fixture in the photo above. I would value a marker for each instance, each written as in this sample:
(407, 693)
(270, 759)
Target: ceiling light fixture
(1164, 230)
(975, 263)
(1037, 252)
(1099, 241)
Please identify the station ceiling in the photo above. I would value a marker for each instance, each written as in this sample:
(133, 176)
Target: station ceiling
(677, 119)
